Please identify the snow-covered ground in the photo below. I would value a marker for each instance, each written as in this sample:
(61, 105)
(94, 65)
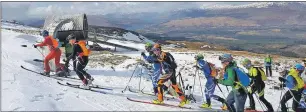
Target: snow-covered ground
(26, 91)
(16, 26)
(130, 36)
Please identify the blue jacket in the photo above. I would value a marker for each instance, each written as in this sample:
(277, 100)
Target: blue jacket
(156, 67)
(149, 58)
(204, 66)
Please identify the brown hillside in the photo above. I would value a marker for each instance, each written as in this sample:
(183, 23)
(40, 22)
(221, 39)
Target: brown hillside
(209, 21)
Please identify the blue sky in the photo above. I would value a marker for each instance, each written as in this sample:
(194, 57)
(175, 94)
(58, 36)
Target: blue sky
(26, 10)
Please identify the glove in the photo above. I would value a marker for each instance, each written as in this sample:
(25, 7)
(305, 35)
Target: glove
(282, 85)
(281, 79)
(197, 67)
(249, 89)
(215, 80)
(35, 46)
(143, 54)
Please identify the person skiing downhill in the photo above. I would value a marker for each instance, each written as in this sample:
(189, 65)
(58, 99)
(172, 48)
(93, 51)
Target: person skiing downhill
(55, 52)
(80, 54)
(168, 66)
(210, 84)
(257, 76)
(295, 84)
(229, 77)
(156, 65)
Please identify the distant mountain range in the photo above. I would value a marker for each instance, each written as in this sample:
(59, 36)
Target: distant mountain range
(259, 13)
(264, 27)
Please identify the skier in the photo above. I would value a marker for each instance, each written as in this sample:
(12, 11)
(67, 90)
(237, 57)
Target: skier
(229, 77)
(268, 64)
(156, 65)
(55, 52)
(168, 66)
(295, 84)
(80, 53)
(257, 76)
(69, 50)
(210, 84)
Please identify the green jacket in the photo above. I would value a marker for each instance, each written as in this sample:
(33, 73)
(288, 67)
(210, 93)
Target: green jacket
(229, 76)
(68, 48)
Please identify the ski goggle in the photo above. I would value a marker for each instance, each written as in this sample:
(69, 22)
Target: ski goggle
(155, 49)
(222, 59)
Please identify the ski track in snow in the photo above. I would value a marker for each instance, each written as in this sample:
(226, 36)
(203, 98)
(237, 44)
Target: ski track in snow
(22, 89)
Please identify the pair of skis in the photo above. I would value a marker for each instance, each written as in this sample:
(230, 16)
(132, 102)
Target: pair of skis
(90, 87)
(68, 84)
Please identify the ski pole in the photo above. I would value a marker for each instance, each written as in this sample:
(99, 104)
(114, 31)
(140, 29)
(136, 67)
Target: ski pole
(280, 97)
(140, 78)
(130, 78)
(182, 82)
(260, 103)
(40, 52)
(195, 74)
(201, 87)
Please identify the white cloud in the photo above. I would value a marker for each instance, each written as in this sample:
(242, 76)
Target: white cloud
(43, 9)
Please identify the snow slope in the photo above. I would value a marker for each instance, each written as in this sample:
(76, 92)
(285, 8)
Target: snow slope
(16, 26)
(26, 91)
(129, 37)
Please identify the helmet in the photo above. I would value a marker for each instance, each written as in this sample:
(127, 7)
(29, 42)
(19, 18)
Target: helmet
(199, 56)
(256, 63)
(226, 58)
(246, 62)
(148, 44)
(45, 33)
(71, 36)
(157, 46)
(299, 67)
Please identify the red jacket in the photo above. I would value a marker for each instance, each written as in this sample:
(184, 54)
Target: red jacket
(50, 42)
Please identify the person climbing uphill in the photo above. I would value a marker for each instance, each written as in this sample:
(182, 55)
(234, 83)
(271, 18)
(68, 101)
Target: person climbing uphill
(80, 54)
(229, 77)
(258, 77)
(210, 84)
(295, 84)
(55, 52)
(168, 66)
(156, 65)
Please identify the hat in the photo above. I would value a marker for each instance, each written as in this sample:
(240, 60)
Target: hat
(226, 58)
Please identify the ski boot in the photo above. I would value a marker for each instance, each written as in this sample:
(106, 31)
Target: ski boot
(206, 106)
(155, 91)
(224, 107)
(85, 84)
(156, 101)
(89, 81)
(184, 102)
(46, 74)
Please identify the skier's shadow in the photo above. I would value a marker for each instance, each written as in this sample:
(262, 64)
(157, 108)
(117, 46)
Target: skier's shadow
(35, 64)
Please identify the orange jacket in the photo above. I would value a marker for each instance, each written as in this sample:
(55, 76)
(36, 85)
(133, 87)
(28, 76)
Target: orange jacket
(50, 42)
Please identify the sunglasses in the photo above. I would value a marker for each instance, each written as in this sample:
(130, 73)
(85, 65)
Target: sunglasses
(155, 49)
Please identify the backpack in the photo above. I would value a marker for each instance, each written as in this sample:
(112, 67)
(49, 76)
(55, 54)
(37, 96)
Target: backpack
(170, 60)
(84, 47)
(243, 78)
(262, 73)
(213, 70)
